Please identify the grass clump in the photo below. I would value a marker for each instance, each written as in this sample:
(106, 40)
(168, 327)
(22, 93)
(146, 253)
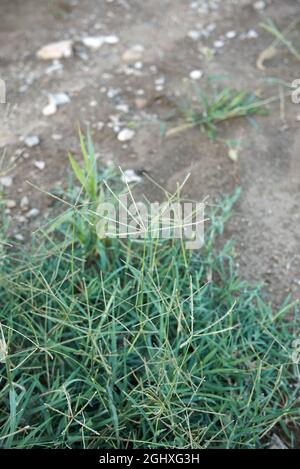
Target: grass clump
(280, 39)
(208, 110)
(156, 348)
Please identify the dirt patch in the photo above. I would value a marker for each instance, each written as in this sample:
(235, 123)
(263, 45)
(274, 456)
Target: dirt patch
(103, 92)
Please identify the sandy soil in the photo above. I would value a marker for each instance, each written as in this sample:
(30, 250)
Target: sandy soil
(266, 223)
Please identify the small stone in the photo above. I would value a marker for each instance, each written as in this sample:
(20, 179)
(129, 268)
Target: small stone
(19, 237)
(122, 108)
(57, 137)
(159, 83)
(112, 39)
(40, 165)
(24, 203)
(140, 103)
(194, 35)
(113, 92)
(33, 213)
(93, 42)
(196, 74)
(10, 204)
(231, 34)
(6, 181)
(59, 99)
(32, 141)
(259, 5)
(55, 100)
(56, 50)
(130, 176)
(132, 55)
(49, 110)
(125, 135)
(251, 34)
(138, 65)
(219, 44)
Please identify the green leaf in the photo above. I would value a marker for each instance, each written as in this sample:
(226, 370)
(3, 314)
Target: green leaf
(77, 170)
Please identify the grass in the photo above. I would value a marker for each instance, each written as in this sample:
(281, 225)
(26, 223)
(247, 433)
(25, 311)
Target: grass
(140, 343)
(208, 110)
(280, 39)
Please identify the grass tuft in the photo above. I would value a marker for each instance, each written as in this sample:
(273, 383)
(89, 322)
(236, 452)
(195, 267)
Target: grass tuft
(154, 348)
(209, 110)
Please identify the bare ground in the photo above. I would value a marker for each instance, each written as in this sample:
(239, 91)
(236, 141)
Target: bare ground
(266, 223)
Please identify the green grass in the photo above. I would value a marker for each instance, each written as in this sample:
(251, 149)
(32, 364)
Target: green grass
(280, 38)
(140, 344)
(208, 110)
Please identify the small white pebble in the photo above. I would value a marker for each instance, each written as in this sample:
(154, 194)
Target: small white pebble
(93, 42)
(40, 165)
(113, 92)
(49, 110)
(231, 34)
(196, 74)
(122, 107)
(259, 5)
(138, 65)
(6, 181)
(24, 204)
(59, 99)
(32, 141)
(194, 35)
(125, 135)
(160, 81)
(57, 137)
(130, 176)
(19, 237)
(219, 44)
(252, 34)
(33, 213)
(112, 39)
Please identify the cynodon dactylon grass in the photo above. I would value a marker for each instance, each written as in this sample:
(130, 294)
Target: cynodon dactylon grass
(141, 344)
